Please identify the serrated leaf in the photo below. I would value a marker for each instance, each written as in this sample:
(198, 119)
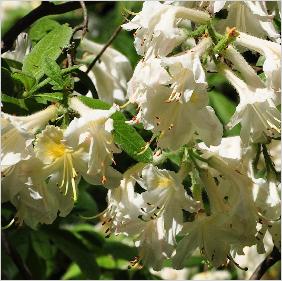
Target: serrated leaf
(27, 80)
(41, 28)
(49, 46)
(53, 71)
(224, 109)
(124, 135)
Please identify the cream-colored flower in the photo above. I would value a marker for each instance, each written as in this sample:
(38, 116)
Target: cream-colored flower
(248, 16)
(157, 32)
(93, 130)
(17, 134)
(257, 113)
(110, 74)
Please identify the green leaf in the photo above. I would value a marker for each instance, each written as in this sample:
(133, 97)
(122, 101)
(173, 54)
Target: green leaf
(11, 63)
(76, 251)
(49, 46)
(8, 87)
(53, 71)
(124, 135)
(73, 273)
(27, 80)
(45, 97)
(19, 102)
(41, 28)
(224, 109)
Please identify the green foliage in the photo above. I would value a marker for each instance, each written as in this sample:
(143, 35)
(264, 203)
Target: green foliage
(224, 109)
(28, 81)
(41, 28)
(50, 46)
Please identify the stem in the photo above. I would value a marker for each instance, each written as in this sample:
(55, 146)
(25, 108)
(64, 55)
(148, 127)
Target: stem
(212, 33)
(270, 260)
(48, 80)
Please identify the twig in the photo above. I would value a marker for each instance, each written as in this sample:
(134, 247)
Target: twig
(111, 39)
(84, 25)
(84, 28)
(270, 260)
(45, 9)
(23, 269)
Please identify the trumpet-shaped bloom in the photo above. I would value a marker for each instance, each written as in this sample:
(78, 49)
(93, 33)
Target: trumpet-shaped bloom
(272, 53)
(171, 95)
(165, 196)
(248, 16)
(124, 215)
(256, 111)
(17, 134)
(94, 130)
(208, 233)
(157, 32)
(22, 48)
(35, 200)
(62, 163)
(110, 74)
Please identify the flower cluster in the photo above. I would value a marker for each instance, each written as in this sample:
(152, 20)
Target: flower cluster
(224, 194)
(42, 165)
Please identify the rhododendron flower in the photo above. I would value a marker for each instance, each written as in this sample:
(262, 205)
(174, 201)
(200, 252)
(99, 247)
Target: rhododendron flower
(173, 101)
(165, 196)
(256, 111)
(272, 53)
(62, 162)
(248, 16)
(35, 200)
(94, 130)
(22, 48)
(18, 133)
(110, 74)
(157, 32)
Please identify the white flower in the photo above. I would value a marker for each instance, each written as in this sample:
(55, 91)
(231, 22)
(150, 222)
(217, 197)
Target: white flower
(157, 32)
(256, 111)
(208, 233)
(124, 215)
(267, 196)
(165, 196)
(62, 163)
(22, 49)
(35, 200)
(272, 53)
(110, 74)
(17, 134)
(94, 130)
(248, 16)
(171, 95)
